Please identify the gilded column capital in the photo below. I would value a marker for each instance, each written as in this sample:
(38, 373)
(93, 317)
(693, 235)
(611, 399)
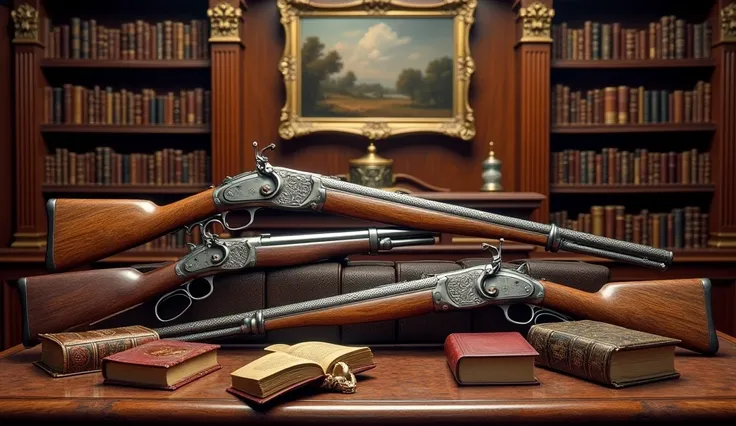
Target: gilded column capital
(536, 23)
(728, 22)
(25, 21)
(225, 22)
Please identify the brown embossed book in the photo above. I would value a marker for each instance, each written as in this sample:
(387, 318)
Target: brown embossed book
(162, 364)
(70, 353)
(290, 367)
(604, 353)
(490, 358)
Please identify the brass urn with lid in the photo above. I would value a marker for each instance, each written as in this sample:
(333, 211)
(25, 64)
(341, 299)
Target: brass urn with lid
(491, 172)
(372, 170)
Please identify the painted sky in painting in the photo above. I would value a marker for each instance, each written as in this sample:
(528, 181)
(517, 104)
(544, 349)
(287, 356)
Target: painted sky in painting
(377, 49)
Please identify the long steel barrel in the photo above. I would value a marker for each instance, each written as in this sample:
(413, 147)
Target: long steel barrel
(557, 238)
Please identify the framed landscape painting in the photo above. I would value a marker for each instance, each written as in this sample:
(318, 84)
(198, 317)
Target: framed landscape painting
(377, 68)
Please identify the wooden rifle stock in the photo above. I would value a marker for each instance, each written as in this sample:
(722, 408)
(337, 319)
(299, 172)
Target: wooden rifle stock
(85, 230)
(56, 302)
(676, 308)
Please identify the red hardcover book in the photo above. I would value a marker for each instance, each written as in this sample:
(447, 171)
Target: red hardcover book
(490, 358)
(161, 364)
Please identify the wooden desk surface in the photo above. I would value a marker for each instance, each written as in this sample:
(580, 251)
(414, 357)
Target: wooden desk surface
(406, 386)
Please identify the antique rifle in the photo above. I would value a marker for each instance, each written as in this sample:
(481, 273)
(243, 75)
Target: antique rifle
(55, 302)
(676, 308)
(85, 230)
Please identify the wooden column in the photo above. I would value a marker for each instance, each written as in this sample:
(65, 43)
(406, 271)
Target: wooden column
(723, 151)
(533, 50)
(226, 47)
(30, 216)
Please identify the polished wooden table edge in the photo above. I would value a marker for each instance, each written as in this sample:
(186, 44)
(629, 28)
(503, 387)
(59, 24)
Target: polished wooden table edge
(338, 412)
(231, 409)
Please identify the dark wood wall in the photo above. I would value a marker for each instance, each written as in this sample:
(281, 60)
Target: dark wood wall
(7, 181)
(439, 160)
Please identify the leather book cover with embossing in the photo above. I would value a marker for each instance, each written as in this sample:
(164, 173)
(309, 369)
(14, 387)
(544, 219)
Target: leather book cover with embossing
(72, 353)
(490, 358)
(604, 353)
(162, 364)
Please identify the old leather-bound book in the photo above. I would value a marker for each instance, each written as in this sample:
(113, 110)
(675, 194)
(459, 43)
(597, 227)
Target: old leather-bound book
(289, 367)
(162, 364)
(490, 358)
(70, 353)
(604, 353)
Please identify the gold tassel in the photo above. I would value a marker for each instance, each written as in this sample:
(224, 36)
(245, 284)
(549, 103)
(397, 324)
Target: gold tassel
(341, 379)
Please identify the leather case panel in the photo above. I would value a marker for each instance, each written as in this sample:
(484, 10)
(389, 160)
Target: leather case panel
(299, 284)
(358, 277)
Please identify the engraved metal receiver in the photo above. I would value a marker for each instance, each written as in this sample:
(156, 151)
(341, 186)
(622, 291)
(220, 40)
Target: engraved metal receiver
(267, 186)
(491, 284)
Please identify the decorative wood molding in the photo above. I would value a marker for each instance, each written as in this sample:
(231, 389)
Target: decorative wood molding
(723, 152)
(30, 216)
(227, 110)
(533, 136)
(536, 23)
(225, 20)
(728, 22)
(25, 22)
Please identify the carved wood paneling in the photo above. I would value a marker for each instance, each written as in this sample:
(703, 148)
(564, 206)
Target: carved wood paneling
(30, 215)
(227, 132)
(7, 180)
(439, 160)
(723, 152)
(533, 97)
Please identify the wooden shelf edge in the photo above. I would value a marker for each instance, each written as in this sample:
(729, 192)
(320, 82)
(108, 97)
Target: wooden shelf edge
(126, 63)
(123, 189)
(629, 189)
(634, 128)
(112, 128)
(633, 63)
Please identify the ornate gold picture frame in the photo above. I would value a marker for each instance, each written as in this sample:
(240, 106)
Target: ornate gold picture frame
(377, 68)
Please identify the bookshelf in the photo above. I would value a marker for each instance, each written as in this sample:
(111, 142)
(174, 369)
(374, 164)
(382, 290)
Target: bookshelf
(633, 87)
(115, 99)
(633, 128)
(127, 63)
(630, 189)
(137, 129)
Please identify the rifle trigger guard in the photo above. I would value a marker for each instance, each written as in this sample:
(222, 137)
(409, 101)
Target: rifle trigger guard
(251, 211)
(536, 312)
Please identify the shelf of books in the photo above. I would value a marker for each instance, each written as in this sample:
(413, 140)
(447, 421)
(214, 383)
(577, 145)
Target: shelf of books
(632, 123)
(126, 105)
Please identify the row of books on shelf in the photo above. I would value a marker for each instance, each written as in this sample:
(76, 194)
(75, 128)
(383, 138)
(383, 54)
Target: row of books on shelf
(103, 166)
(668, 38)
(71, 104)
(631, 105)
(680, 228)
(640, 167)
(86, 39)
